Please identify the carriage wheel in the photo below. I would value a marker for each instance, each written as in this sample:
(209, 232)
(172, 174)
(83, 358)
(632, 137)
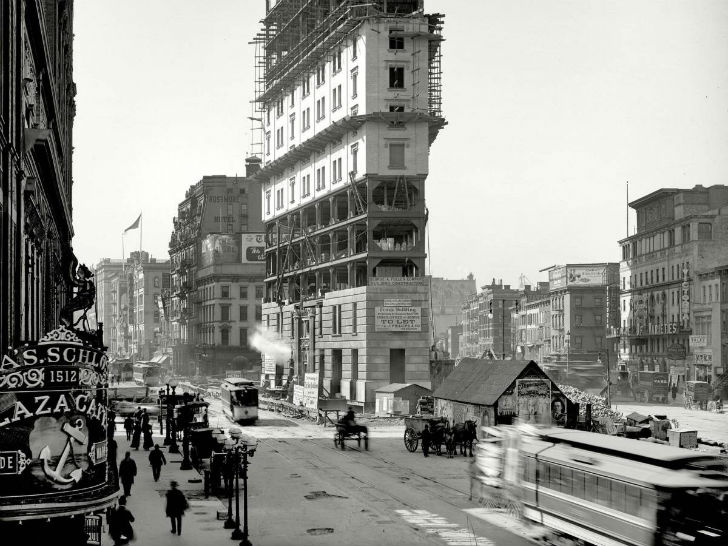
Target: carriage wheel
(410, 440)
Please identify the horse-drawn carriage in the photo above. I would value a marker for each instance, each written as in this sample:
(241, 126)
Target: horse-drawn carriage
(346, 431)
(441, 434)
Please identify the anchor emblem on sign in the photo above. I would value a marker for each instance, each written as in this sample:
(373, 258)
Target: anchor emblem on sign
(74, 433)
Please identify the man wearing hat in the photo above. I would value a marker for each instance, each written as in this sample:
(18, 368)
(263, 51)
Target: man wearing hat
(176, 506)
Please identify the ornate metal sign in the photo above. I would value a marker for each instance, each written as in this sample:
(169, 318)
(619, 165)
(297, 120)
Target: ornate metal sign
(53, 426)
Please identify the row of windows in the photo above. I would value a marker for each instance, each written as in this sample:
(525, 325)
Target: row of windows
(209, 292)
(657, 275)
(336, 321)
(396, 43)
(209, 337)
(610, 493)
(208, 313)
(666, 239)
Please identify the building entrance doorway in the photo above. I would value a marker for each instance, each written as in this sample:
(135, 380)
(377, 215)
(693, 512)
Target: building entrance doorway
(336, 358)
(396, 365)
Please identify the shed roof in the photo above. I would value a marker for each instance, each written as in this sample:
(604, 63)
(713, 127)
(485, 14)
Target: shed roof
(394, 387)
(482, 382)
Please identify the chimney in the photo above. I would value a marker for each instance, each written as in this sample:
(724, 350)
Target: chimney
(252, 165)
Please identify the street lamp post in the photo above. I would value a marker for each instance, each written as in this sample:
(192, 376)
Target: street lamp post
(245, 452)
(228, 473)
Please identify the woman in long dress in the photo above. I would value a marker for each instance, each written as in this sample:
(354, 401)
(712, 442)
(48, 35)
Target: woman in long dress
(148, 442)
(137, 435)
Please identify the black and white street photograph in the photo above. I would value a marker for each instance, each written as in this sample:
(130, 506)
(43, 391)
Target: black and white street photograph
(364, 272)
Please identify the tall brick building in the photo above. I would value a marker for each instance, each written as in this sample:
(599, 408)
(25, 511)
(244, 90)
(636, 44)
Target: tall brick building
(216, 252)
(674, 285)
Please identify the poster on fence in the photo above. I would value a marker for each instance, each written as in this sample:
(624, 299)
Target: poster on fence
(298, 395)
(534, 400)
(311, 390)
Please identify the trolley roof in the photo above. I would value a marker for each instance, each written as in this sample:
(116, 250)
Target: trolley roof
(640, 450)
(233, 382)
(621, 468)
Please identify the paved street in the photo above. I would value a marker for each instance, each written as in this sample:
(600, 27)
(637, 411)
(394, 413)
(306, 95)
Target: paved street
(304, 491)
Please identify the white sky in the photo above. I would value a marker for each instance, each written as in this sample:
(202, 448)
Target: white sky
(552, 106)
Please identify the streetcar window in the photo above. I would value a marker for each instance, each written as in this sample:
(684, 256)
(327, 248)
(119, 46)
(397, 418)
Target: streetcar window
(578, 478)
(566, 481)
(543, 473)
(631, 499)
(603, 491)
(529, 469)
(648, 503)
(619, 501)
(590, 487)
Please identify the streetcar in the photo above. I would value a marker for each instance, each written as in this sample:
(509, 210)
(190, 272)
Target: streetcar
(239, 399)
(606, 490)
(147, 374)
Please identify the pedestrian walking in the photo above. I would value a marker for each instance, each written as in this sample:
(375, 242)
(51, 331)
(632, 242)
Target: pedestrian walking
(148, 441)
(120, 519)
(112, 421)
(426, 436)
(128, 427)
(156, 459)
(127, 471)
(176, 506)
(137, 434)
(138, 414)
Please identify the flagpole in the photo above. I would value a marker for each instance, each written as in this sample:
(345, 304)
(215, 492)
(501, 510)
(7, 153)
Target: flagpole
(141, 222)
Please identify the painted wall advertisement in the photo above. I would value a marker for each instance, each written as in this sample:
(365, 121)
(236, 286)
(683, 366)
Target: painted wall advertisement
(586, 276)
(557, 278)
(218, 250)
(252, 248)
(311, 390)
(397, 319)
(53, 426)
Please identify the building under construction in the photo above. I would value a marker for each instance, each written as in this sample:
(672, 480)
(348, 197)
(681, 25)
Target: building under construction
(348, 100)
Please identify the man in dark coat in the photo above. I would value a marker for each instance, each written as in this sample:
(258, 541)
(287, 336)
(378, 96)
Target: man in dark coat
(426, 438)
(120, 520)
(128, 427)
(176, 506)
(156, 459)
(127, 471)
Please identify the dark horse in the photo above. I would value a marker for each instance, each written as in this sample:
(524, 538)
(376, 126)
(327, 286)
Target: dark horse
(464, 434)
(438, 435)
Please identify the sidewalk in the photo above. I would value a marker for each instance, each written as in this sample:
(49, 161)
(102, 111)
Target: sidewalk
(147, 502)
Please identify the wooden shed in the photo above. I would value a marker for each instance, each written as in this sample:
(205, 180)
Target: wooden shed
(398, 398)
(493, 392)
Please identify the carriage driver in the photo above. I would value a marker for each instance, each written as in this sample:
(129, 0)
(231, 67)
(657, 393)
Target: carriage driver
(349, 419)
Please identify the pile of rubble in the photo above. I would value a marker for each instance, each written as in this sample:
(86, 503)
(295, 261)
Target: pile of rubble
(599, 405)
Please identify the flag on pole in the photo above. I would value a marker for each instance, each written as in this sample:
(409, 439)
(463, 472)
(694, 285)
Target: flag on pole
(135, 225)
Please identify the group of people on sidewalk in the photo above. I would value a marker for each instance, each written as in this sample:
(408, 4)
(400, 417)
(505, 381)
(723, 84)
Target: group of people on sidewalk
(137, 427)
(120, 518)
